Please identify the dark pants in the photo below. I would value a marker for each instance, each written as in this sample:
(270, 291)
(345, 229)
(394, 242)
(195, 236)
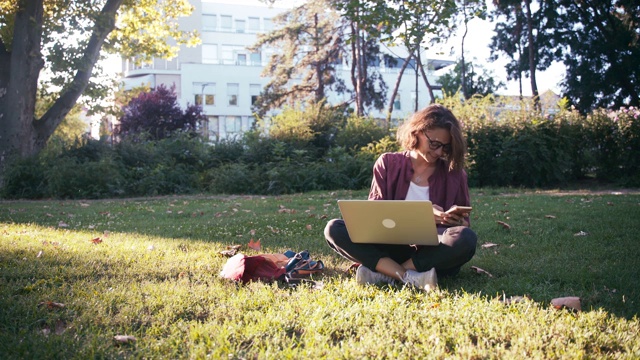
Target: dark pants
(457, 246)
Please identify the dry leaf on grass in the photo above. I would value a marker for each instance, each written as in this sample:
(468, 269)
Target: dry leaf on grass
(96, 241)
(504, 224)
(124, 339)
(62, 224)
(581, 233)
(569, 302)
(255, 245)
(231, 250)
(488, 245)
(52, 305)
(481, 271)
(550, 216)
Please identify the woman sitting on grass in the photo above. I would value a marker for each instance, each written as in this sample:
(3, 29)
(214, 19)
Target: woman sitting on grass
(429, 168)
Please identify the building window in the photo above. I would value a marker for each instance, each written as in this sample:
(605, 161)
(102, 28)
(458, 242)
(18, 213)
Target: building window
(232, 94)
(254, 90)
(268, 24)
(396, 102)
(240, 26)
(242, 59)
(254, 24)
(209, 22)
(256, 59)
(233, 124)
(213, 128)
(209, 53)
(225, 22)
(206, 90)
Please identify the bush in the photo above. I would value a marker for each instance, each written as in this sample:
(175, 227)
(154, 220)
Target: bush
(358, 133)
(506, 148)
(158, 115)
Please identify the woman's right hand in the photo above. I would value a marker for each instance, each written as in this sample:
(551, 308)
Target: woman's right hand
(438, 211)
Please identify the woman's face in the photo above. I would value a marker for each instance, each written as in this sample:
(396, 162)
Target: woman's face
(434, 144)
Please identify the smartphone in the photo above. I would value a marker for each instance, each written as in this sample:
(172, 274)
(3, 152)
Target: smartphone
(459, 210)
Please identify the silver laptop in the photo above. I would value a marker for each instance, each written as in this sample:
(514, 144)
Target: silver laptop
(401, 222)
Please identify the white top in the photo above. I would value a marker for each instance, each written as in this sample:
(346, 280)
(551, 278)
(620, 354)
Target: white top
(417, 192)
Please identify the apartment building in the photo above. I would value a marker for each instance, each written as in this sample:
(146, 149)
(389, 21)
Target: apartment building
(224, 77)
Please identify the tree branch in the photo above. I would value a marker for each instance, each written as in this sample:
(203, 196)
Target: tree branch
(105, 24)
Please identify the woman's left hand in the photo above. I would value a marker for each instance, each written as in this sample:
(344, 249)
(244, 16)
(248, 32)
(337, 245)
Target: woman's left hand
(452, 220)
(442, 218)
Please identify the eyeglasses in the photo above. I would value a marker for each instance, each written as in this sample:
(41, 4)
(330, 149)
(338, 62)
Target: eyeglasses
(435, 145)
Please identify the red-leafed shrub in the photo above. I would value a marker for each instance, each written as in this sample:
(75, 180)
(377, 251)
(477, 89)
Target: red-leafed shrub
(157, 114)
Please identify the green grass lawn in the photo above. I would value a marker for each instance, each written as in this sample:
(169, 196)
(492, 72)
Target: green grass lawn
(154, 276)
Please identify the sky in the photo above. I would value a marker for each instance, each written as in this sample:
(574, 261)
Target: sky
(476, 50)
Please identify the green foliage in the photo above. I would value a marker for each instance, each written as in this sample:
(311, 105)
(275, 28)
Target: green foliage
(359, 132)
(512, 145)
(509, 145)
(310, 126)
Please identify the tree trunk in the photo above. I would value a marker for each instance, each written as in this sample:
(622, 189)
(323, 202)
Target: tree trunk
(532, 61)
(463, 70)
(396, 86)
(21, 134)
(319, 96)
(354, 64)
(17, 106)
(426, 80)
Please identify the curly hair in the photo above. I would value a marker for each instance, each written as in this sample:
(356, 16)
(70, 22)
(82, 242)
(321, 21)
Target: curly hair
(432, 117)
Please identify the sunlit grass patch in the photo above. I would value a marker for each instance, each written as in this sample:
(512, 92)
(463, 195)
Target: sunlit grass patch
(153, 275)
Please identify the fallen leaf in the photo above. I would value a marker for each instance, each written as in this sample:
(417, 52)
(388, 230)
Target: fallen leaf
(609, 203)
(231, 250)
(255, 245)
(569, 302)
(309, 227)
(96, 241)
(124, 339)
(228, 253)
(481, 271)
(488, 245)
(252, 232)
(62, 224)
(581, 233)
(52, 305)
(504, 224)
(39, 254)
(550, 216)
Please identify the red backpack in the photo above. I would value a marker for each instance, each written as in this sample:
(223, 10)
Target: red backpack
(270, 267)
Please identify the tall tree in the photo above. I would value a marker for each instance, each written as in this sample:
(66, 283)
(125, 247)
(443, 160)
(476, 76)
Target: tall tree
(70, 36)
(309, 42)
(526, 37)
(363, 19)
(602, 43)
(417, 25)
(467, 11)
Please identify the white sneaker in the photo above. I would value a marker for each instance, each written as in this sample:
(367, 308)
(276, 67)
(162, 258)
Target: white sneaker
(427, 280)
(366, 276)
